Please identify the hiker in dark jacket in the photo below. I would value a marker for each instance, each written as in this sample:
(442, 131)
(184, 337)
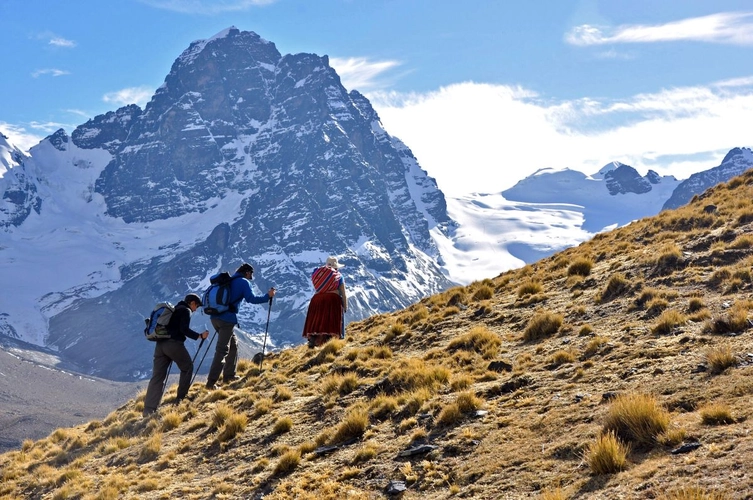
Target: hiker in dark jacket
(173, 350)
(225, 359)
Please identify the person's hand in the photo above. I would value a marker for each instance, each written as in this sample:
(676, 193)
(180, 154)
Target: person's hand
(205, 334)
(272, 292)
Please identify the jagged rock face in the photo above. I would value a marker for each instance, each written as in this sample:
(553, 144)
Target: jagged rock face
(316, 175)
(626, 179)
(19, 193)
(737, 161)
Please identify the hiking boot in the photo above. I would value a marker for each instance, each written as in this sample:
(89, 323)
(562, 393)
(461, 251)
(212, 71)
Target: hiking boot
(211, 387)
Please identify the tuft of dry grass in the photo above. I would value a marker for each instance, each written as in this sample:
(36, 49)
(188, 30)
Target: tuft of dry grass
(531, 287)
(288, 462)
(480, 339)
(733, 321)
(617, 285)
(719, 358)
(716, 414)
(607, 455)
(484, 292)
(234, 425)
(352, 426)
(543, 324)
(636, 419)
(580, 267)
(668, 321)
(695, 493)
(282, 425)
(221, 413)
(150, 450)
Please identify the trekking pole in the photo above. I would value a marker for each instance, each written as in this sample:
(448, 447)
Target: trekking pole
(264, 346)
(204, 356)
(197, 351)
(164, 384)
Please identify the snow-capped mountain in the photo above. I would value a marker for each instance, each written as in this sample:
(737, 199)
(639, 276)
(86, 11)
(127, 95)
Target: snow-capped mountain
(246, 155)
(242, 155)
(615, 195)
(737, 161)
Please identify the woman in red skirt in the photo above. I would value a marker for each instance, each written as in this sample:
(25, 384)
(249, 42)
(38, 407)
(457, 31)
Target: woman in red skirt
(324, 319)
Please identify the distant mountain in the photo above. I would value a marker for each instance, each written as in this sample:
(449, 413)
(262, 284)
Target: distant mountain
(248, 155)
(614, 196)
(737, 161)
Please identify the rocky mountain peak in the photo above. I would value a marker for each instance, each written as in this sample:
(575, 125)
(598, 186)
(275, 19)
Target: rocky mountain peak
(242, 155)
(625, 179)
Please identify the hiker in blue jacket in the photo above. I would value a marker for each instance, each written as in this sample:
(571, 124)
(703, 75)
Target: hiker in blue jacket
(226, 352)
(171, 350)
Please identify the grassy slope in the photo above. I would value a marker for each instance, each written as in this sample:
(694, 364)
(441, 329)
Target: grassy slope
(657, 308)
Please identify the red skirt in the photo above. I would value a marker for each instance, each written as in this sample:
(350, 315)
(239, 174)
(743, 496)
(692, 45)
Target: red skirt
(324, 317)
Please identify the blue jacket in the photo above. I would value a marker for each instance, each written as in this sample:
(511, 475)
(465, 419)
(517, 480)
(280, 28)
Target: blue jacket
(240, 290)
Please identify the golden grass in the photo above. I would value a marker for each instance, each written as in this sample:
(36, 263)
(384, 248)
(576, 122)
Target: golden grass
(607, 455)
(580, 267)
(668, 320)
(716, 414)
(530, 288)
(288, 462)
(233, 425)
(617, 285)
(695, 493)
(150, 450)
(544, 324)
(636, 419)
(720, 358)
(352, 426)
(282, 425)
(480, 339)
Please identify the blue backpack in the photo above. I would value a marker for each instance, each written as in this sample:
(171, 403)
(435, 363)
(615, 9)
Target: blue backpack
(216, 298)
(156, 323)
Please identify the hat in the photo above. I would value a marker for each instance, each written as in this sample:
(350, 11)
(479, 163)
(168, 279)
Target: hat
(192, 297)
(332, 262)
(245, 268)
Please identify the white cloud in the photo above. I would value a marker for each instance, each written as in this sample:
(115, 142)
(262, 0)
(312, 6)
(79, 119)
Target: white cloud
(360, 73)
(206, 6)
(58, 41)
(19, 137)
(484, 138)
(131, 95)
(728, 27)
(49, 71)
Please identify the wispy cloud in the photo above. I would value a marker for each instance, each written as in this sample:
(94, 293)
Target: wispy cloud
(49, 71)
(361, 73)
(22, 138)
(484, 138)
(54, 39)
(206, 6)
(62, 42)
(131, 95)
(733, 28)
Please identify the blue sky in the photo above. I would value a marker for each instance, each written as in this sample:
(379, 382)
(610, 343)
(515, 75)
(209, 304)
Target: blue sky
(484, 92)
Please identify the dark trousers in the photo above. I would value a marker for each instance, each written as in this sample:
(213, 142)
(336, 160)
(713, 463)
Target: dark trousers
(165, 352)
(225, 353)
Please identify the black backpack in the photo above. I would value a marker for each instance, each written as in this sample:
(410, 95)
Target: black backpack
(216, 298)
(156, 323)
